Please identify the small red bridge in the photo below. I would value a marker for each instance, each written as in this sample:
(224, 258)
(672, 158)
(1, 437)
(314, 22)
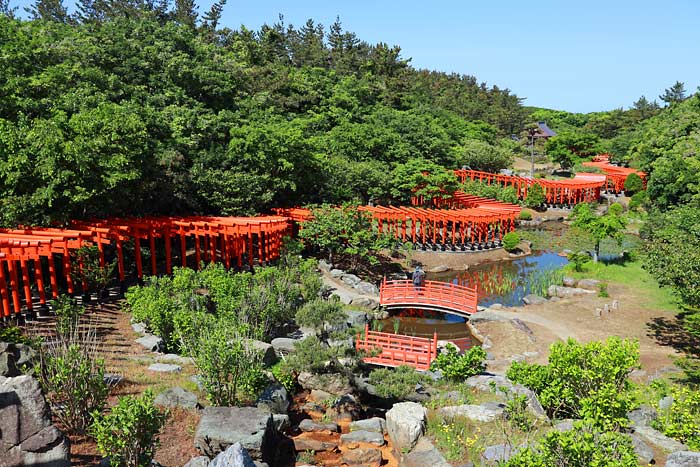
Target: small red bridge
(432, 295)
(388, 349)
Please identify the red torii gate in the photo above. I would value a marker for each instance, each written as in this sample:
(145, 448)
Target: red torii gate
(27, 254)
(615, 176)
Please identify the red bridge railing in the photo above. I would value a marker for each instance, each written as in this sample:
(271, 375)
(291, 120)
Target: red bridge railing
(397, 349)
(438, 295)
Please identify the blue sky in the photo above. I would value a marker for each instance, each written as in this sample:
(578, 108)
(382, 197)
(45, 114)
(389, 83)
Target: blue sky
(579, 56)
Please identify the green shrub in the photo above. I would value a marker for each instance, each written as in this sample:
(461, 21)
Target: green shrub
(638, 200)
(13, 334)
(603, 290)
(508, 195)
(535, 196)
(525, 215)
(68, 314)
(456, 366)
(633, 184)
(578, 259)
(229, 365)
(511, 241)
(395, 383)
(128, 435)
(72, 377)
(616, 209)
(320, 314)
(284, 376)
(681, 421)
(583, 446)
(584, 381)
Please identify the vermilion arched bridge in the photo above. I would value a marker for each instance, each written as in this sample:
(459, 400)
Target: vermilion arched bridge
(432, 295)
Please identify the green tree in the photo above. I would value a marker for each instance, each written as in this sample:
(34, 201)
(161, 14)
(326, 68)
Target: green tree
(422, 178)
(321, 314)
(535, 196)
(480, 155)
(674, 94)
(633, 184)
(49, 10)
(610, 225)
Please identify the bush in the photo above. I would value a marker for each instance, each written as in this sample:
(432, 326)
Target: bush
(479, 155)
(456, 366)
(13, 334)
(72, 377)
(68, 314)
(525, 216)
(615, 209)
(128, 435)
(320, 314)
(284, 376)
(681, 421)
(230, 367)
(396, 383)
(633, 184)
(535, 196)
(583, 446)
(584, 381)
(638, 200)
(578, 259)
(511, 241)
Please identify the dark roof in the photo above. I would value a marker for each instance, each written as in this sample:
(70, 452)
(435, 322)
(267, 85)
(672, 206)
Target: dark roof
(545, 131)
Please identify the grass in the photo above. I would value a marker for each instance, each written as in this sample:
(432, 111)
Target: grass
(630, 274)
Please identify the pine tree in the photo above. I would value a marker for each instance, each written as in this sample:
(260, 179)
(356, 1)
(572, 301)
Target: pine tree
(186, 13)
(675, 93)
(6, 9)
(213, 16)
(49, 10)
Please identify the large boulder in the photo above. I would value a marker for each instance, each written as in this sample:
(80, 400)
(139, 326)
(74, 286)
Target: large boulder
(365, 302)
(350, 279)
(424, 454)
(27, 436)
(274, 398)
(269, 356)
(642, 416)
(362, 436)
(644, 453)
(176, 397)
(355, 318)
(478, 413)
(283, 345)
(367, 288)
(532, 299)
(233, 456)
(659, 439)
(405, 424)
(152, 343)
(590, 284)
(376, 424)
(13, 357)
(331, 383)
(221, 427)
(345, 408)
(483, 383)
(683, 459)
(566, 292)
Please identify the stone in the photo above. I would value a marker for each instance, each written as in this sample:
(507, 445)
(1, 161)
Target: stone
(365, 302)
(233, 456)
(335, 384)
(644, 453)
(283, 345)
(366, 288)
(590, 284)
(568, 282)
(498, 453)
(362, 456)
(424, 454)
(274, 398)
(666, 403)
(174, 358)
(324, 265)
(165, 368)
(269, 356)
(312, 407)
(555, 299)
(564, 425)
(521, 326)
(658, 439)
(405, 423)
(199, 461)
(350, 279)
(496, 306)
(642, 416)
(13, 357)
(139, 328)
(532, 299)
(566, 292)
(439, 268)
(615, 305)
(176, 397)
(281, 421)
(375, 424)
(345, 408)
(113, 379)
(355, 318)
(363, 436)
(151, 342)
(336, 273)
(683, 459)
(307, 425)
(27, 437)
(310, 444)
(318, 395)
(197, 380)
(477, 413)
(221, 427)
(483, 383)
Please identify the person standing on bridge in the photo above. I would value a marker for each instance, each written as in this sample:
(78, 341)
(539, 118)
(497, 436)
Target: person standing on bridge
(418, 278)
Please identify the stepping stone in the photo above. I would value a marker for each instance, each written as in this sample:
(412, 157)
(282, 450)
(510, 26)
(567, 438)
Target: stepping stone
(363, 437)
(165, 368)
(308, 425)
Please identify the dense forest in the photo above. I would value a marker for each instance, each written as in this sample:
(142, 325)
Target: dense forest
(129, 108)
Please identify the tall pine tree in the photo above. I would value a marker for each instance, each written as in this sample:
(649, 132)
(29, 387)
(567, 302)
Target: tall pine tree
(675, 93)
(213, 16)
(186, 13)
(49, 10)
